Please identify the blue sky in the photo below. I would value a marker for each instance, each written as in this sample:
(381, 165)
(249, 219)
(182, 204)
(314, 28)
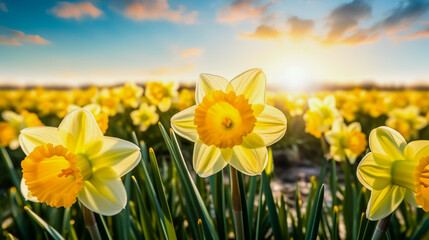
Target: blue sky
(297, 43)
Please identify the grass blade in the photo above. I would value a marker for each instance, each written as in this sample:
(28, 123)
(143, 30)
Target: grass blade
(314, 219)
(54, 234)
(161, 196)
(272, 209)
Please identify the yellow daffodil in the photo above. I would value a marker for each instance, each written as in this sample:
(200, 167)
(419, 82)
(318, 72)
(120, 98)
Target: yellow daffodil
(346, 142)
(161, 94)
(109, 100)
(230, 123)
(186, 99)
(101, 117)
(75, 161)
(13, 124)
(407, 121)
(7, 135)
(131, 94)
(145, 116)
(393, 173)
(320, 116)
(374, 103)
(82, 97)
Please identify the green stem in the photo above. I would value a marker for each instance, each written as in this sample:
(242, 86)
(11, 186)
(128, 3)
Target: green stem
(236, 204)
(91, 223)
(381, 228)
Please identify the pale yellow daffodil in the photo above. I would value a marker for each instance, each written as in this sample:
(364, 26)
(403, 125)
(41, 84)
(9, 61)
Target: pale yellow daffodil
(75, 161)
(130, 94)
(145, 116)
(101, 117)
(14, 122)
(320, 116)
(407, 121)
(230, 123)
(393, 173)
(161, 94)
(346, 142)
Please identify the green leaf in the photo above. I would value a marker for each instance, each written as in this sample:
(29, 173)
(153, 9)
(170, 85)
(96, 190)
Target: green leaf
(218, 195)
(161, 196)
(314, 219)
(54, 234)
(272, 209)
(192, 195)
(145, 218)
(246, 222)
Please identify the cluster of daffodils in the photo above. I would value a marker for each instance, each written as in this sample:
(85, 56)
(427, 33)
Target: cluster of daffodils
(394, 171)
(230, 124)
(23, 108)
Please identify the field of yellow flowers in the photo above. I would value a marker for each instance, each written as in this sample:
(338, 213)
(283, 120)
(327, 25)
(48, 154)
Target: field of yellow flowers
(163, 161)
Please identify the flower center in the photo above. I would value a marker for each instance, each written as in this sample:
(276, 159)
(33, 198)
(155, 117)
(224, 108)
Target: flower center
(54, 175)
(357, 142)
(421, 181)
(223, 119)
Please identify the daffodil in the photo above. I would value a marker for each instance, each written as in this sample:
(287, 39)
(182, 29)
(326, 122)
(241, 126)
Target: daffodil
(101, 117)
(75, 161)
(394, 171)
(82, 97)
(131, 94)
(346, 142)
(161, 94)
(13, 124)
(407, 121)
(186, 99)
(109, 100)
(320, 116)
(145, 116)
(230, 123)
(374, 103)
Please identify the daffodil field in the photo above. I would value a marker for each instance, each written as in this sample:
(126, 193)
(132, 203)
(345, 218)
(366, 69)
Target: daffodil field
(169, 161)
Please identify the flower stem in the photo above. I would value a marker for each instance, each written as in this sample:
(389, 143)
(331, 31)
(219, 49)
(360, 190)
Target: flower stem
(381, 228)
(91, 223)
(236, 204)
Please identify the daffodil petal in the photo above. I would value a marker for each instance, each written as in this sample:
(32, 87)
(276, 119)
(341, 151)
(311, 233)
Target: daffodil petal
(80, 133)
(120, 155)
(164, 105)
(329, 101)
(354, 126)
(104, 192)
(314, 104)
(386, 141)
(26, 193)
(253, 140)
(270, 125)
(416, 150)
(207, 160)
(410, 197)
(249, 161)
(384, 202)
(208, 83)
(372, 174)
(35, 136)
(252, 84)
(227, 154)
(183, 124)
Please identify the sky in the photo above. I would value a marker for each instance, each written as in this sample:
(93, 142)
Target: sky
(297, 43)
